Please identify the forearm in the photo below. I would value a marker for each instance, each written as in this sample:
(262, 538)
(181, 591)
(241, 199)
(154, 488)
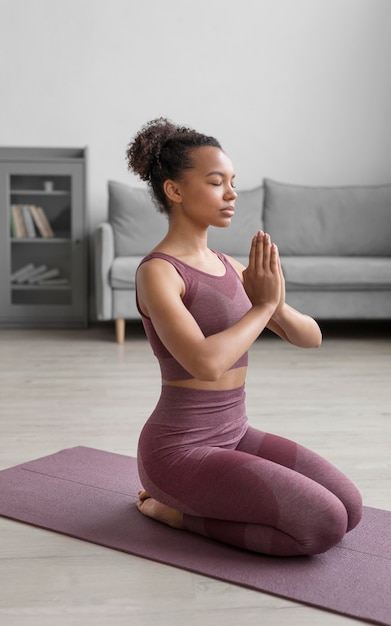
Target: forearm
(220, 351)
(296, 328)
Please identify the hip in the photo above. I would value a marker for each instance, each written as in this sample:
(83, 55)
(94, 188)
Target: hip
(193, 417)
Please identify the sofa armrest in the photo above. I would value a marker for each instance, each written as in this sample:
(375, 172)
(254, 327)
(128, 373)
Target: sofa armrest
(103, 260)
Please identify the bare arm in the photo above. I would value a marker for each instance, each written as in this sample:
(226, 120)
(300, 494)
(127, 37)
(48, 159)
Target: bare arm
(160, 291)
(295, 327)
(288, 323)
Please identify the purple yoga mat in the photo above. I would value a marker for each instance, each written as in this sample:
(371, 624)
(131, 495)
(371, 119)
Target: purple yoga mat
(91, 494)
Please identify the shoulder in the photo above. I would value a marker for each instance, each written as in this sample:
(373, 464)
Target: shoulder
(158, 285)
(156, 268)
(158, 274)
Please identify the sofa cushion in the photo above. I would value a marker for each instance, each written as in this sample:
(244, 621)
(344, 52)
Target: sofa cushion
(329, 221)
(123, 272)
(137, 224)
(236, 238)
(336, 273)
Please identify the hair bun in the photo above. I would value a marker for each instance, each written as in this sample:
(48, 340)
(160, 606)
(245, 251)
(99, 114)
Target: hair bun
(144, 150)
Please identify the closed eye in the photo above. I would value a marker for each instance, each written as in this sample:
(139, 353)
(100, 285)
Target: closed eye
(223, 177)
(219, 185)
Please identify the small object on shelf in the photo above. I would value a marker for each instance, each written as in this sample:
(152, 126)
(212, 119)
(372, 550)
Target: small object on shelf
(48, 185)
(28, 221)
(19, 226)
(25, 270)
(41, 221)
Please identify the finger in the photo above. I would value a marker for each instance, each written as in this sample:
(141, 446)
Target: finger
(266, 251)
(259, 250)
(275, 264)
(279, 262)
(254, 251)
(278, 255)
(251, 256)
(280, 268)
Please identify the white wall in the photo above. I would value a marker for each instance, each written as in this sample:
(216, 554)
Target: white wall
(296, 90)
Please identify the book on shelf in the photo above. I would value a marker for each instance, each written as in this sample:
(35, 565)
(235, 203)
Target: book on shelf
(41, 221)
(36, 271)
(28, 221)
(26, 269)
(53, 273)
(19, 227)
(12, 224)
(31, 275)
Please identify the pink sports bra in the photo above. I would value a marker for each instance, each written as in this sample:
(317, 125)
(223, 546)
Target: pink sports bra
(216, 303)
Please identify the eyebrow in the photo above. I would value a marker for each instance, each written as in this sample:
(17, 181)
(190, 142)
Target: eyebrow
(214, 173)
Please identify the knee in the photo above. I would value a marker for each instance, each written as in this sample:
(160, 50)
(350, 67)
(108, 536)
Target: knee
(354, 508)
(327, 531)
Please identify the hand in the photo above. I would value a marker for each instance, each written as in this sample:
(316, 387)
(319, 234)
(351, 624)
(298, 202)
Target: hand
(262, 277)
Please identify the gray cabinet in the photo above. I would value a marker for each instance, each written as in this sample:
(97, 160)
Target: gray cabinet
(43, 232)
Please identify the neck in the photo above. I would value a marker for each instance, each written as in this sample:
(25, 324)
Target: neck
(185, 239)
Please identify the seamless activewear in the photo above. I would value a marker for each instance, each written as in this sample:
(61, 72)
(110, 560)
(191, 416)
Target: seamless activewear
(232, 482)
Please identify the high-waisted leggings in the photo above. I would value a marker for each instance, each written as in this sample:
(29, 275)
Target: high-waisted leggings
(237, 484)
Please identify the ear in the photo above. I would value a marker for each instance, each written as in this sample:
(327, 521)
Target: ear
(171, 189)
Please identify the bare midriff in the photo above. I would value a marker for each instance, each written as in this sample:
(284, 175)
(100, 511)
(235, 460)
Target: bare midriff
(232, 379)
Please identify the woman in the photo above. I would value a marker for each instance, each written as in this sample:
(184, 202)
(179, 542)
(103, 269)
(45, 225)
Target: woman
(203, 468)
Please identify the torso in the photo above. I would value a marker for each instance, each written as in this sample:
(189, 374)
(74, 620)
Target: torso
(232, 304)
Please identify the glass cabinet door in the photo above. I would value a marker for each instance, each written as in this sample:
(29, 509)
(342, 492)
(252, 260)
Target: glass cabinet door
(43, 252)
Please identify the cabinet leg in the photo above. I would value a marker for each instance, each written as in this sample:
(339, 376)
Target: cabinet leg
(120, 330)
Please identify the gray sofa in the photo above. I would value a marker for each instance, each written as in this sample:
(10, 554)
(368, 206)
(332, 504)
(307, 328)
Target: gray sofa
(334, 243)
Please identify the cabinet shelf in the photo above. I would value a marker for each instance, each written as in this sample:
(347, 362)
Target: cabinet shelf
(37, 192)
(40, 287)
(40, 240)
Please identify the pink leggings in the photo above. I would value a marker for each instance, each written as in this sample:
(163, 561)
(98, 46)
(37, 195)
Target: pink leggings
(237, 484)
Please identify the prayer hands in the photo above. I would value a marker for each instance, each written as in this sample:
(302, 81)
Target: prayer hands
(263, 279)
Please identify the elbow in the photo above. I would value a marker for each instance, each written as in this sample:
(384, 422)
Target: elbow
(309, 342)
(314, 336)
(207, 370)
(319, 339)
(316, 340)
(208, 375)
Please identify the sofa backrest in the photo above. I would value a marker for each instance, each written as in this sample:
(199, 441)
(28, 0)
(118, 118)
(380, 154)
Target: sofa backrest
(138, 226)
(328, 221)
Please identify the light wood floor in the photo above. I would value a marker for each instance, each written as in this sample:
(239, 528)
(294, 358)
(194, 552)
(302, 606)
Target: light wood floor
(66, 388)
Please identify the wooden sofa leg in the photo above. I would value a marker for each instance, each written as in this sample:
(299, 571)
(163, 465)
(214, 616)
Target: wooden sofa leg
(120, 330)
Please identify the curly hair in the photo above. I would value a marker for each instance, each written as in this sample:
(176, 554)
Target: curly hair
(162, 150)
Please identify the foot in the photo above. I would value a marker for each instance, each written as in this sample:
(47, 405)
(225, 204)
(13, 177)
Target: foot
(156, 510)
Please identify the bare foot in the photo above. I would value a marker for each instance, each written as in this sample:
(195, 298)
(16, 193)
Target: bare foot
(156, 510)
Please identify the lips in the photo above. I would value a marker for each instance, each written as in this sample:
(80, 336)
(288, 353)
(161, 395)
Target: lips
(228, 211)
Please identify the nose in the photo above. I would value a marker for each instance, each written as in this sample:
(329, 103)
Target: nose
(231, 193)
